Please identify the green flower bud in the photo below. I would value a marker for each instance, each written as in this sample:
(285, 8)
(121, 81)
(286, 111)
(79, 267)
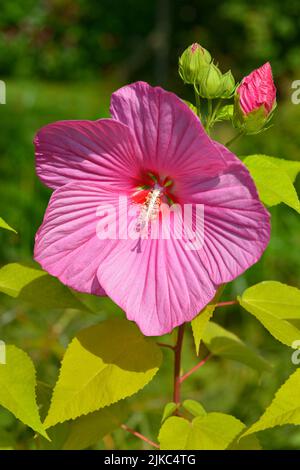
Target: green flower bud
(193, 59)
(210, 82)
(228, 84)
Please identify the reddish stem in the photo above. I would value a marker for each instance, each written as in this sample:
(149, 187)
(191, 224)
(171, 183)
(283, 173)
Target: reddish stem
(165, 345)
(196, 367)
(225, 304)
(177, 365)
(139, 435)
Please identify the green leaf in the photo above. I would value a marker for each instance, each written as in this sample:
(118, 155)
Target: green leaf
(213, 431)
(87, 430)
(169, 409)
(225, 113)
(201, 320)
(17, 388)
(273, 303)
(246, 443)
(291, 167)
(194, 407)
(36, 287)
(5, 225)
(284, 409)
(273, 183)
(102, 365)
(222, 342)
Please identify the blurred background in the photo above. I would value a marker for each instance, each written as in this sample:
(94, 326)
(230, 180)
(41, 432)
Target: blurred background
(62, 59)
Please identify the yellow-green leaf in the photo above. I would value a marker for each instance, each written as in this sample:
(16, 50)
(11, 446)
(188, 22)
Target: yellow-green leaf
(222, 342)
(291, 167)
(273, 183)
(213, 431)
(201, 320)
(284, 409)
(34, 286)
(169, 409)
(5, 225)
(102, 365)
(273, 304)
(194, 407)
(17, 388)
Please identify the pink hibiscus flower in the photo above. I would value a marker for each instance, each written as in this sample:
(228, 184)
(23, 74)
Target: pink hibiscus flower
(153, 149)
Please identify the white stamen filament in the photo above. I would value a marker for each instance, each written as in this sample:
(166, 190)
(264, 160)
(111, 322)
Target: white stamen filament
(149, 210)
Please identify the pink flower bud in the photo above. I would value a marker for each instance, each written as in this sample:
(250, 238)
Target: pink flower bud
(257, 89)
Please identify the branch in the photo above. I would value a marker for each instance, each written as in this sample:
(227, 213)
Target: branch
(139, 435)
(165, 345)
(177, 365)
(225, 304)
(196, 367)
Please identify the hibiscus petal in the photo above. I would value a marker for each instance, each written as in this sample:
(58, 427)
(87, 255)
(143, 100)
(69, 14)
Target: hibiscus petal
(171, 138)
(159, 286)
(236, 224)
(66, 244)
(102, 150)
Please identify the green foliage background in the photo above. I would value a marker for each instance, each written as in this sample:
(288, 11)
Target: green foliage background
(62, 59)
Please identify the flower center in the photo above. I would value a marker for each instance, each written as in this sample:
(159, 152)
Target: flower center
(149, 197)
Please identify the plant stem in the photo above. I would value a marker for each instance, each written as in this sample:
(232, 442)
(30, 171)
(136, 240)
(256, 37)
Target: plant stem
(196, 367)
(177, 365)
(197, 100)
(225, 304)
(213, 117)
(139, 435)
(165, 345)
(209, 116)
(237, 136)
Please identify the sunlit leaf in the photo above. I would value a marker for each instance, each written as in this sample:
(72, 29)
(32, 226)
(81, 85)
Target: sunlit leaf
(201, 320)
(17, 388)
(222, 342)
(32, 285)
(194, 407)
(273, 183)
(273, 304)
(291, 167)
(169, 409)
(284, 409)
(5, 225)
(213, 431)
(102, 365)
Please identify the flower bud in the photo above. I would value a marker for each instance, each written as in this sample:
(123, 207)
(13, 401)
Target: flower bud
(255, 100)
(228, 84)
(209, 83)
(193, 59)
